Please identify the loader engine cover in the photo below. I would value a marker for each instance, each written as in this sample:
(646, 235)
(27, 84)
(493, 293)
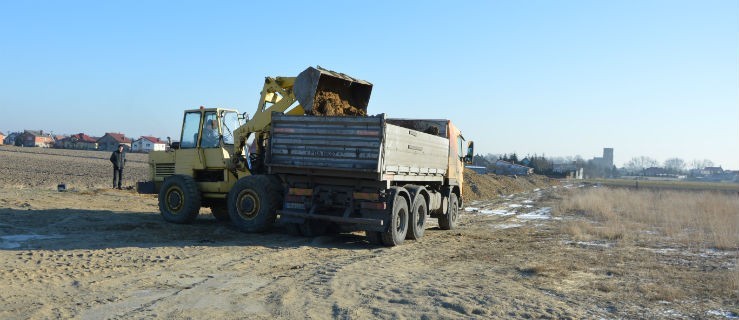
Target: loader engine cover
(324, 92)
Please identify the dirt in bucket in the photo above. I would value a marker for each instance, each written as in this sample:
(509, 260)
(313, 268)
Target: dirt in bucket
(329, 103)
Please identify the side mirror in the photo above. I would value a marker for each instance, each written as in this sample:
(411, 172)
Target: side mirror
(470, 152)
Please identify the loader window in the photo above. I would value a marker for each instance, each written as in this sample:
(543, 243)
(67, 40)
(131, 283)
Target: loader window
(229, 124)
(210, 135)
(190, 130)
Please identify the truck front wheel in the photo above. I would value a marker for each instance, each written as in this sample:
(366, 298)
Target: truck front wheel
(252, 203)
(179, 199)
(398, 227)
(449, 220)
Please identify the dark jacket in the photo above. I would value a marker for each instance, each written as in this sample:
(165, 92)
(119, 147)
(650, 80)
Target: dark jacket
(118, 159)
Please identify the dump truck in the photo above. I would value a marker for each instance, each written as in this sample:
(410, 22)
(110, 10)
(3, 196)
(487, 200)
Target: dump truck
(381, 175)
(321, 164)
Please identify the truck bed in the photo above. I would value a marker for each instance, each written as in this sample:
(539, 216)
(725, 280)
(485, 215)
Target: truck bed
(358, 147)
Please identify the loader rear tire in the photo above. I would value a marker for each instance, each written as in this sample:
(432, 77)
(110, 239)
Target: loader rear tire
(179, 199)
(417, 219)
(448, 221)
(398, 228)
(252, 203)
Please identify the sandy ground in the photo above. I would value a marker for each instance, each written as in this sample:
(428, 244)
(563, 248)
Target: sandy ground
(96, 253)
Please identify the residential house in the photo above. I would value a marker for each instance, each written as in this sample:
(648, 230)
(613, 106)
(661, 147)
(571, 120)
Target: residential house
(80, 141)
(655, 172)
(33, 138)
(478, 169)
(59, 141)
(2, 137)
(509, 169)
(11, 137)
(708, 171)
(148, 144)
(110, 141)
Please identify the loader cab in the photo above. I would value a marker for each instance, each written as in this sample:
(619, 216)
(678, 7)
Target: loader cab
(209, 128)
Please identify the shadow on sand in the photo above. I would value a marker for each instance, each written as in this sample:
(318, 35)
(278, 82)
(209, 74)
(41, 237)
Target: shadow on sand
(69, 229)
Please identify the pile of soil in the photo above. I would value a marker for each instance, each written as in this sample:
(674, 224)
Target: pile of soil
(330, 103)
(489, 186)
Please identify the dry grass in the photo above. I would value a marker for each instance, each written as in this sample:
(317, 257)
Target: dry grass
(694, 219)
(658, 244)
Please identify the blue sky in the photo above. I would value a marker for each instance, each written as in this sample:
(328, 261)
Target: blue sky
(561, 78)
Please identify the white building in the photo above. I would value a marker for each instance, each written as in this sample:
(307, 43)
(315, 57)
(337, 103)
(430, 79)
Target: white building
(147, 144)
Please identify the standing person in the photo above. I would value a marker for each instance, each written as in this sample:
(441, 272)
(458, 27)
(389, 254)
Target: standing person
(118, 158)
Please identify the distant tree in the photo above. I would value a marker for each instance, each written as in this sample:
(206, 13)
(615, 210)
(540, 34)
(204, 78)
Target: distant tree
(674, 165)
(491, 157)
(637, 164)
(479, 160)
(700, 164)
(514, 158)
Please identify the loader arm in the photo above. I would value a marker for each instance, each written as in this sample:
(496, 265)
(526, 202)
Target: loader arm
(276, 96)
(280, 93)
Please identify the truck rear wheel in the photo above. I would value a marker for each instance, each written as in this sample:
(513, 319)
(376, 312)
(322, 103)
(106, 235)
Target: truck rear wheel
(179, 199)
(398, 228)
(448, 221)
(252, 203)
(417, 221)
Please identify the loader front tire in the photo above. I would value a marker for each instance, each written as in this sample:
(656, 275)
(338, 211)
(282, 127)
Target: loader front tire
(252, 203)
(448, 221)
(179, 199)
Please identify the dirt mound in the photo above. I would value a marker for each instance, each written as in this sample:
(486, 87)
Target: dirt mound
(330, 103)
(488, 186)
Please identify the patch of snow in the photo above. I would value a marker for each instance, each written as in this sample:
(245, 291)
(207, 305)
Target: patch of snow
(471, 209)
(527, 201)
(537, 189)
(498, 212)
(541, 214)
(514, 205)
(507, 225)
(528, 206)
(722, 313)
(590, 244)
(15, 240)
(672, 313)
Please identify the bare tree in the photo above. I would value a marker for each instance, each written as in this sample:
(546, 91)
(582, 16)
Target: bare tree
(674, 165)
(700, 164)
(638, 164)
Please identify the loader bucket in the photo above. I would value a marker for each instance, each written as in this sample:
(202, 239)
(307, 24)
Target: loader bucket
(329, 93)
